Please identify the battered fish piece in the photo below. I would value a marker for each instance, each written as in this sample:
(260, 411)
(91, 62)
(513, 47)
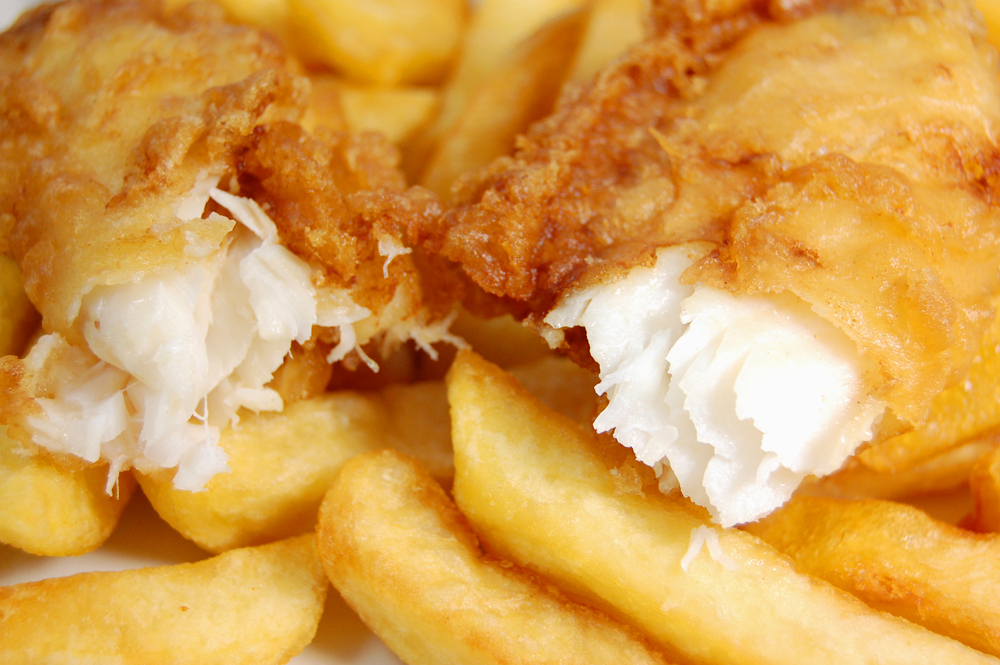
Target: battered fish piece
(178, 229)
(777, 224)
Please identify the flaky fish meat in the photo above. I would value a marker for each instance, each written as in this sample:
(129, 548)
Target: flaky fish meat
(772, 227)
(181, 219)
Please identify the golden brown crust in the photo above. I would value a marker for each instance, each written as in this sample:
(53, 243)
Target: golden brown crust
(116, 108)
(843, 151)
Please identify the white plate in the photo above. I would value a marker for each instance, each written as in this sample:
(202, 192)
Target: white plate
(143, 539)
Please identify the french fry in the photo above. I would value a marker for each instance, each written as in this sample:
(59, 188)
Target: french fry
(51, 510)
(283, 463)
(501, 340)
(896, 559)
(991, 12)
(495, 29)
(271, 15)
(381, 41)
(536, 488)
(401, 554)
(18, 318)
(970, 409)
(614, 25)
(521, 90)
(396, 112)
(945, 472)
(255, 606)
(984, 481)
(561, 385)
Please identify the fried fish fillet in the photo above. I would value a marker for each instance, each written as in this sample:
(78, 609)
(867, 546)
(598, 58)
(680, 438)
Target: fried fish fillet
(178, 229)
(777, 224)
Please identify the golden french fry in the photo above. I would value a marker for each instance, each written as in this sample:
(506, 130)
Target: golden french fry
(501, 340)
(51, 510)
(271, 15)
(520, 91)
(18, 318)
(396, 113)
(496, 27)
(991, 12)
(382, 41)
(896, 559)
(283, 463)
(945, 472)
(561, 385)
(401, 554)
(984, 481)
(536, 487)
(614, 26)
(255, 606)
(970, 409)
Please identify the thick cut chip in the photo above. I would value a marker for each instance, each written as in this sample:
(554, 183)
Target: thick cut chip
(991, 12)
(496, 28)
(614, 26)
(382, 41)
(254, 606)
(501, 340)
(283, 463)
(397, 548)
(945, 472)
(396, 113)
(897, 559)
(537, 488)
(984, 481)
(271, 15)
(52, 510)
(562, 386)
(521, 90)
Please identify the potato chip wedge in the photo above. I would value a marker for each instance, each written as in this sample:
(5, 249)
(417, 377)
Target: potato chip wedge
(984, 481)
(52, 510)
(18, 318)
(991, 12)
(614, 26)
(945, 472)
(897, 559)
(401, 554)
(271, 15)
(381, 41)
(255, 606)
(521, 90)
(536, 488)
(501, 340)
(283, 463)
(969, 409)
(561, 385)
(495, 29)
(395, 112)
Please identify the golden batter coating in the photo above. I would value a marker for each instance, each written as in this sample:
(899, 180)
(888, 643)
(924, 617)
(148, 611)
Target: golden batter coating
(846, 152)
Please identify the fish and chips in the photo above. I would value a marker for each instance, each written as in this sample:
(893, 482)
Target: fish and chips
(246, 246)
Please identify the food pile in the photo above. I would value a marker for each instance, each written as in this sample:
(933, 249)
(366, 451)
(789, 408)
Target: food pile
(545, 331)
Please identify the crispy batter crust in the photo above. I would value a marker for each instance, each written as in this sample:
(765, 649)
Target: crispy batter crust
(116, 108)
(843, 151)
